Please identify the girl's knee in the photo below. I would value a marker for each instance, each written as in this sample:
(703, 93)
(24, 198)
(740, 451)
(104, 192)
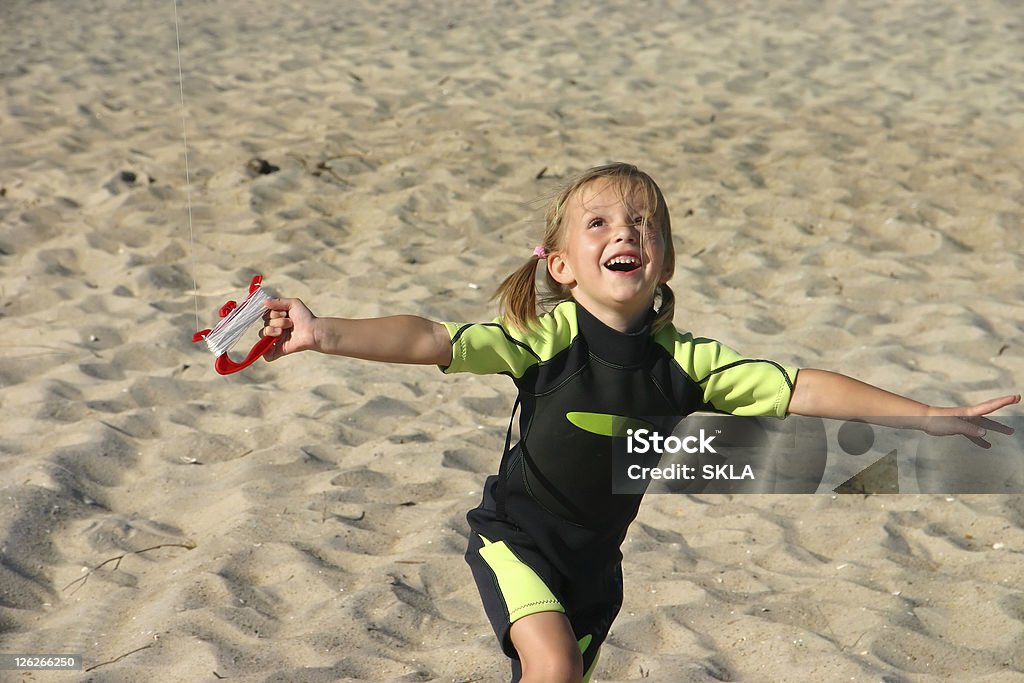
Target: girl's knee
(547, 649)
(552, 667)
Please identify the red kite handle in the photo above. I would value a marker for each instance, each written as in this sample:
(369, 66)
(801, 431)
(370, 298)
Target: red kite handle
(224, 365)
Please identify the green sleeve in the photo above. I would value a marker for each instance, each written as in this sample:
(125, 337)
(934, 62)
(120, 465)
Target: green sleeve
(731, 383)
(496, 348)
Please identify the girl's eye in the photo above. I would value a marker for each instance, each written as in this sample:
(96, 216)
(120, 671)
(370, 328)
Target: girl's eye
(595, 223)
(642, 225)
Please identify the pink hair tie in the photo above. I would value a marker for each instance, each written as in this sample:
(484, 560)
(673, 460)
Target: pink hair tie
(540, 252)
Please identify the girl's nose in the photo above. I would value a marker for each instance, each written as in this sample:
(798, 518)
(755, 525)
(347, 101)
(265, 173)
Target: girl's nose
(626, 231)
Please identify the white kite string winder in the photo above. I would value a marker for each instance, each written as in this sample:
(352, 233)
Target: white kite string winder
(236, 319)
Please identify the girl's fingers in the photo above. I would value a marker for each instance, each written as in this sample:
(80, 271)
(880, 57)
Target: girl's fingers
(276, 327)
(975, 415)
(278, 304)
(273, 314)
(974, 428)
(983, 408)
(992, 405)
(979, 442)
(991, 425)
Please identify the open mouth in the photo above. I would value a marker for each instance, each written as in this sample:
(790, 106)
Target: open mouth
(623, 264)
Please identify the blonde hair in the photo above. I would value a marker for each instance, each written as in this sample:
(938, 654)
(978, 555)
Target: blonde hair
(517, 295)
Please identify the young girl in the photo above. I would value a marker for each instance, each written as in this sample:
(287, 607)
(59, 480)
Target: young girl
(544, 547)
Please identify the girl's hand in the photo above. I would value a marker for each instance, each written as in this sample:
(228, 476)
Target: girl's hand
(293, 322)
(969, 420)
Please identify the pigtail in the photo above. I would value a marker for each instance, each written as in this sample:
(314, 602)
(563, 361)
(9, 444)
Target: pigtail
(666, 309)
(517, 295)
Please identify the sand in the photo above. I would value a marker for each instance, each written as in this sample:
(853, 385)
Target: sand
(847, 191)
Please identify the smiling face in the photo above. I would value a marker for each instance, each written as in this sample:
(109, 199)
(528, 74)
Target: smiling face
(612, 253)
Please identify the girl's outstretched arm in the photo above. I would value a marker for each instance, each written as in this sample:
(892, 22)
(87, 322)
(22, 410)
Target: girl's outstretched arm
(395, 339)
(820, 393)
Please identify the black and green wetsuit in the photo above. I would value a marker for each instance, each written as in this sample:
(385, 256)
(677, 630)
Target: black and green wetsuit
(554, 511)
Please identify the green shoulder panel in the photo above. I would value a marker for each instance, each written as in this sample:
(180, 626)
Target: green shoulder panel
(731, 383)
(494, 347)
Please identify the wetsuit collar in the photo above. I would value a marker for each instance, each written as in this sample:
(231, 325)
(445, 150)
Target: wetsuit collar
(608, 344)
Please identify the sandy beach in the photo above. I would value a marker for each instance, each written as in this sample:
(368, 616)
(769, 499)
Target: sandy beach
(847, 191)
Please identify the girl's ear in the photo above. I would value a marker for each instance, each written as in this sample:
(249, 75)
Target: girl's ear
(560, 270)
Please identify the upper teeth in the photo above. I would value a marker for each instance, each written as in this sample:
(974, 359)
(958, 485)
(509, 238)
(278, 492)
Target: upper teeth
(631, 260)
